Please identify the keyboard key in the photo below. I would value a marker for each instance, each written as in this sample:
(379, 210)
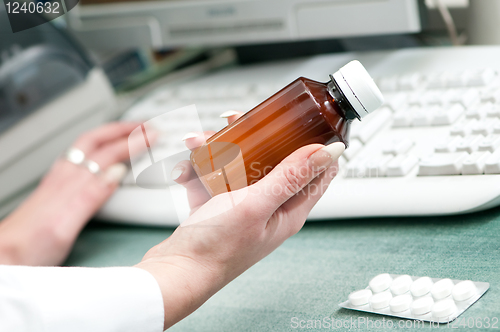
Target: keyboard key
(436, 81)
(402, 119)
(448, 144)
(371, 125)
(396, 101)
(443, 117)
(492, 164)
(354, 146)
(462, 128)
(474, 163)
(342, 162)
(442, 164)
(483, 127)
(397, 146)
(388, 83)
(480, 77)
(490, 143)
(356, 168)
(479, 112)
(431, 98)
(493, 111)
(469, 143)
(377, 166)
(491, 95)
(449, 96)
(401, 165)
(457, 79)
(410, 82)
(422, 117)
(415, 98)
(467, 98)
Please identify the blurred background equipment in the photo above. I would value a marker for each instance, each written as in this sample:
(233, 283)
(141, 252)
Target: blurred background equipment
(483, 23)
(107, 24)
(50, 92)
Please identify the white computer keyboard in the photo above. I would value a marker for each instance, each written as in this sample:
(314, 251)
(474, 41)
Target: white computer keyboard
(432, 149)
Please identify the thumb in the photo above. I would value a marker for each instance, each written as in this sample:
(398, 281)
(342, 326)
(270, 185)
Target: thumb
(184, 174)
(294, 173)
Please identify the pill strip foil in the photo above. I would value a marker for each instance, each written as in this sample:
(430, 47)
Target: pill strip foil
(482, 287)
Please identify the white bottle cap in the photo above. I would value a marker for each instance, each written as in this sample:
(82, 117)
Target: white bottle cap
(359, 88)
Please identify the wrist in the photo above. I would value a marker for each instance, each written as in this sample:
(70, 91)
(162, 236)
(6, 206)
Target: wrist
(9, 253)
(31, 236)
(185, 285)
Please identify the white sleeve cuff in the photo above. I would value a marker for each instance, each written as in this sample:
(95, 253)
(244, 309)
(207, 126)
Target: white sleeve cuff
(61, 299)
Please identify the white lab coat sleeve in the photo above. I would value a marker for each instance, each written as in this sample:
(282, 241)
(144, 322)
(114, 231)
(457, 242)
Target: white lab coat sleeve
(77, 299)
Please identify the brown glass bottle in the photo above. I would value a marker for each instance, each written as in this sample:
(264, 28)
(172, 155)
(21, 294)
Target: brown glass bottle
(302, 113)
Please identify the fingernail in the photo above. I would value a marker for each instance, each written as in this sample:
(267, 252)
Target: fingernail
(324, 157)
(190, 135)
(176, 173)
(227, 114)
(115, 173)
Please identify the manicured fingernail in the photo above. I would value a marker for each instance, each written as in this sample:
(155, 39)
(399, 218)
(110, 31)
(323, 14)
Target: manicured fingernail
(228, 114)
(325, 156)
(190, 135)
(115, 173)
(176, 173)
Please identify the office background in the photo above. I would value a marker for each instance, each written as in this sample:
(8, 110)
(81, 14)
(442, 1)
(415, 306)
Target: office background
(331, 256)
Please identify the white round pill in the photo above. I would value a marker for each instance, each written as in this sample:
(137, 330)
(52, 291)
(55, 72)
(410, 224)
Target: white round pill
(442, 289)
(360, 297)
(444, 308)
(400, 303)
(380, 283)
(421, 286)
(401, 284)
(422, 306)
(464, 290)
(380, 300)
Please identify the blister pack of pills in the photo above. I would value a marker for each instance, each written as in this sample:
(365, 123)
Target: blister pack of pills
(422, 298)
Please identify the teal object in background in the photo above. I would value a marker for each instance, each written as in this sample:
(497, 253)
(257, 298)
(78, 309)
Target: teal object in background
(315, 270)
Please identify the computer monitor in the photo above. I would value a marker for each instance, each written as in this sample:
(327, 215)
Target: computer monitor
(112, 24)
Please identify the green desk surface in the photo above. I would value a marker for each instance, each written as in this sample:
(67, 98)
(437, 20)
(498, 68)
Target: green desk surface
(315, 270)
